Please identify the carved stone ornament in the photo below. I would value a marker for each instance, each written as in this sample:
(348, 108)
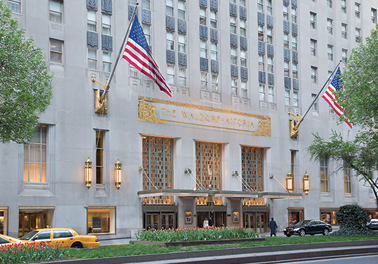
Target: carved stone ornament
(147, 112)
(263, 127)
(100, 102)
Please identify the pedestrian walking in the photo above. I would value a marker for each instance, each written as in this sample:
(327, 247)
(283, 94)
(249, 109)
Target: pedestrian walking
(273, 226)
(205, 223)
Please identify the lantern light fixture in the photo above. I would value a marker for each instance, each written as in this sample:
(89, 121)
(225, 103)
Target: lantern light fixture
(306, 183)
(88, 173)
(118, 174)
(289, 182)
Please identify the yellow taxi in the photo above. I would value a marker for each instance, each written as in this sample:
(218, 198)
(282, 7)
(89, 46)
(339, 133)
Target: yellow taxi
(8, 240)
(66, 237)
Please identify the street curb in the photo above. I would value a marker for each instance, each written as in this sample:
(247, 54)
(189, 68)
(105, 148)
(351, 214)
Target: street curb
(326, 249)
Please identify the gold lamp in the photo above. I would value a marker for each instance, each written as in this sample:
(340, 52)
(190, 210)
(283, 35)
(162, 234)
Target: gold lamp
(306, 183)
(118, 174)
(88, 173)
(289, 182)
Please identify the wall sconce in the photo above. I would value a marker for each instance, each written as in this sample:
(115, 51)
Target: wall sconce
(88, 173)
(118, 174)
(289, 182)
(306, 183)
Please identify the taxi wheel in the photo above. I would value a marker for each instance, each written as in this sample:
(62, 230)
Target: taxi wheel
(302, 233)
(77, 245)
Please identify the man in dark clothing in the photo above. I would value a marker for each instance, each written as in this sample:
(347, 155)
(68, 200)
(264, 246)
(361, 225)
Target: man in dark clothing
(273, 226)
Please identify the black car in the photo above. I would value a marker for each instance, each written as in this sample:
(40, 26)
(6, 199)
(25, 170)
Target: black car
(372, 224)
(311, 227)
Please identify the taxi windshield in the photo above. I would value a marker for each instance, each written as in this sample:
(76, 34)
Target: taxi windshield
(29, 235)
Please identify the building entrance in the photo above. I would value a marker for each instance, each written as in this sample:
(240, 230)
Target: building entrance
(218, 219)
(256, 221)
(30, 221)
(159, 220)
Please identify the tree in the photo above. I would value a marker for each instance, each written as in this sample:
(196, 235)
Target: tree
(25, 83)
(359, 98)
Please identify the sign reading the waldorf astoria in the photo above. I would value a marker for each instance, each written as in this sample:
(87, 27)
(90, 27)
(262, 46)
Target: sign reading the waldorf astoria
(164, 111)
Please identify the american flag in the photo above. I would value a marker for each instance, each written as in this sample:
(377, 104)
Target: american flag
(330, 96)
(139, 55)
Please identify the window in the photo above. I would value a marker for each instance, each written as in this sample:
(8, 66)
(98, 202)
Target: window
(56, 51)
(262, 92)
(243, 58)
(182, 76)
(343, 6)
(271, 94)
(204, 81)
(234, 87)
(261, 62)
(344, 55)
(324, 175)
(285, 13)
(293, 15)
(55, 11)
(233, 25)
(101, 220)
(171, 74)
(132, 2)
(203, 48)
(344, 31)
(243, 86)
(242, 3)
(260, 33)
(329, 26)
(35, 156)
(106, 24)
(374, 15)
(330, 52)
(214, 83)
(92, 59)
(169, 7)
(170, 40)
(287, 97)
(270, 64)
(203, 16)
(233, 1)
(286, 41)
(357, 10)
(106, 61)
(295, 99)
(147, 33)
(214, 51)
(314, 74)
(99, 156)
(92, 21)
(243, 28)
(146, 4)
(313, 47)
(260, 6)
(347, 180)
(312, 20)
(329, 3)
(269, 35)
(181, 9)
(269, 7)
(294, 43)
(295, 71)
(286, 69)
(213, 19)
(234, 56)
(358, 35)
(15, 6)
(181, 43)
(315, 104)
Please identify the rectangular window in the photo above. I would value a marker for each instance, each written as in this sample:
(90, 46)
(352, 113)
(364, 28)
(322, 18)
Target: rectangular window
(92, 59)
(285, 13)
(330, 52)
(286, 69)
(92, 20)
(15, 6)
(374, 15)
(181, 43)
(314, 74)
(203, 48)
(270, 65)
(262, 92)
(170, 40)
(182, 76)
(171, 74)
(243, 58)
(344, 31)
(146, 4)
(56, 51)
(344, 55)
(233, 25)
(56, 11)
(286, 41)
(243, 28)
(329, 3)
(202, 16)
(358, 35)
(260, 6)
(347, 180)
(313, 47)
(269, 7)
(269, 35)
(295, 71)
(261, 62)
(132, 2)
(101, 220)
(357, 10)
(343, 6)
(106, 61)
(204, 81)
(106, 24)
(147, 33)
(295, 99)
(99, 156)
(260, 33)
(35, 156)
(324, 183)
(315, 104)
(329, 26)
(287, 97)
(244, 91)
(181, 9)
(213, 19)
(214, 83)
(293, 15)
(214, 51)
(242, 3)
(294, 44)
(169, 7)
(234, 56)
(271, 94)
(312, 20)
(234, 87)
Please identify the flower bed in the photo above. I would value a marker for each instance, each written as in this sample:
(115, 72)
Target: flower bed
(31, 252)
(193, 234)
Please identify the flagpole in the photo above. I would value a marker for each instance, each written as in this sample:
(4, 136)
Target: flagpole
(121, 48)
(319, 93)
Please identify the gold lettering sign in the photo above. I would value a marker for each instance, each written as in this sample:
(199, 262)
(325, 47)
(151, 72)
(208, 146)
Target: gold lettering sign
(164, 111)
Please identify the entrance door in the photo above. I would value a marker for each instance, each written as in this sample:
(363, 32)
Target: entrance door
(152, 221)
(201, 217)
(219, 219)
(30, 221)
(249, 220)
(261, 222)
(167, 221)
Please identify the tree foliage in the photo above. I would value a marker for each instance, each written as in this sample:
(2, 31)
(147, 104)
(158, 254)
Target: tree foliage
(25, 83)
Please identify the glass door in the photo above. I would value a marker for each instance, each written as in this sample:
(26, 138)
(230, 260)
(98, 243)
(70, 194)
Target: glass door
(167, 221)
(261, 222)
(249, 220)
(30, 221)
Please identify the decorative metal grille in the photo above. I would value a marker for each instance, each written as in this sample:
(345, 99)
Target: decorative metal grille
(157, 165)
(208, 165)
(254, 201)
(252, 168)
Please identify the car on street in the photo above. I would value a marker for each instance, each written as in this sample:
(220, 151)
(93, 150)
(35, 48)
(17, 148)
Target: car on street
(372, 224)
(8, 240)
(66, 237)
(311, 227)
